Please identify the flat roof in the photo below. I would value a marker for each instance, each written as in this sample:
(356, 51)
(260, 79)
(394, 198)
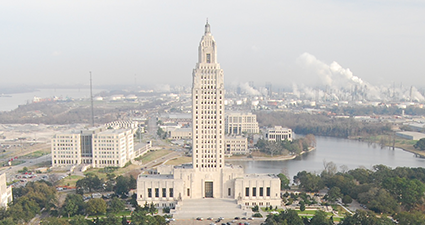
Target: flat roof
(156, 176)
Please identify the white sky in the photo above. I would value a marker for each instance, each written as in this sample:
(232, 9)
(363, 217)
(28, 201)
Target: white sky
(59, 42)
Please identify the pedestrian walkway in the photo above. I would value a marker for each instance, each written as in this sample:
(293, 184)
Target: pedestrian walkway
(210, 207)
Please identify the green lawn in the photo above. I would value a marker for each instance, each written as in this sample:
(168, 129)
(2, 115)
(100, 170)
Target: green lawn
(70, 180)
(152, 155)
(37, 154)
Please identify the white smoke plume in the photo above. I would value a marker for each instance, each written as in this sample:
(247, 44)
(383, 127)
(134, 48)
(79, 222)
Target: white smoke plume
(340, 83)
(249, 90)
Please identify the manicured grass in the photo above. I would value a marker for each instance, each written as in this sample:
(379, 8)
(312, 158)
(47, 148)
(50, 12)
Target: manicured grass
(71, 180)
(179, 161)
(37, 154)
(152, 155)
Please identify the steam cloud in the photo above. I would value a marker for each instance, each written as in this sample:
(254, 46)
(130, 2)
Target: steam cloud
(338, 83)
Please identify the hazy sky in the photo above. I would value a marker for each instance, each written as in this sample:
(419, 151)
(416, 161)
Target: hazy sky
(59, 42)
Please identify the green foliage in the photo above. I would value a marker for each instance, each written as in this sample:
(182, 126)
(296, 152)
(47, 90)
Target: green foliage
(308, 181)
(74, 204)
(323, 125)
(141, 216)
(79, 220)
(96, 206)
(124, 184)
(333, 194)
(414, 218)
(117, 205)
(284, 217)
(255, 208)
(347, 199)
(161, 133)
(284, 181)
(28, 201)
(363, 217)
(302, 206)
(320, 218)
(24, 170)
(257, 215)
(284, 147)
(420, 144)
(54, 221)
(90, 182)
(166, 210)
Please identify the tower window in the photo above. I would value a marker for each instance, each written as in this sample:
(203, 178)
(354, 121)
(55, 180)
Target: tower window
(208, 58)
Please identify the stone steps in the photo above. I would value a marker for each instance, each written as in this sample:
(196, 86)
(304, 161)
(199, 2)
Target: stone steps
(210, 207)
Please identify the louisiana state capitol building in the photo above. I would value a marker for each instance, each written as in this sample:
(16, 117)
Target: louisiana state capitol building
(208, 176)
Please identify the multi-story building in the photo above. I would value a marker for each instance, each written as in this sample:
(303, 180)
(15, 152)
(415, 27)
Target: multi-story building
(208, 176)
(236, 145)
(5, 191)
(97, 147)
(238, 123)
(279, 133)
(180, 133)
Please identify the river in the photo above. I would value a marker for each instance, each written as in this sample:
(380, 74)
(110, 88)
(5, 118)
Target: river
(12, 101)
(350, 153)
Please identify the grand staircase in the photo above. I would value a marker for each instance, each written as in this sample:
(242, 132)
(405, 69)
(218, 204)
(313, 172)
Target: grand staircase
(210, 207)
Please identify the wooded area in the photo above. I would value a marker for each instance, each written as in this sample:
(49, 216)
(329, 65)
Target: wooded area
(321, 125)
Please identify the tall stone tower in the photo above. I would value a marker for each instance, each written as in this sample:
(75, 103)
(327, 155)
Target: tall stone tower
(208, 107)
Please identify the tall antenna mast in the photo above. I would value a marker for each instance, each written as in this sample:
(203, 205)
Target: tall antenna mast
(91, 101)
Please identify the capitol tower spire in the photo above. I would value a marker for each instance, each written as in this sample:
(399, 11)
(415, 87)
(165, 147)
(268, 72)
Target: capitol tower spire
(208, 107)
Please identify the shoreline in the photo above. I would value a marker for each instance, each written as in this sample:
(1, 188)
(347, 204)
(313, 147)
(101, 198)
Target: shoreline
(277, 158)
(416, 153)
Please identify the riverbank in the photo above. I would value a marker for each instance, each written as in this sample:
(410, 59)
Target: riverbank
(404, 144)
(267, 158)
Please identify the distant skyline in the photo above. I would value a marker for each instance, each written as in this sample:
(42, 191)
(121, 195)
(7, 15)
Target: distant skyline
(156, 42)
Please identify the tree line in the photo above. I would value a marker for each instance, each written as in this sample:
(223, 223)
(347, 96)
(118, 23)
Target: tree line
(322, 125)
(398, 192)
(286, 147)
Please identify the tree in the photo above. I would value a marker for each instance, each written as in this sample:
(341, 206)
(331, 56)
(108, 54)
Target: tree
(79, 220)
(54, 221)
(420, 144)
(414, 218)
(96, 206)
(320, 218)
(284, 217)
(117, 205)
(255, 208)
(334, 193)
(122, 185)
(90, 182)
(74, 204)
(310, 182)
(111, 219)
(302, 206)
(284, 181)
(347, 199)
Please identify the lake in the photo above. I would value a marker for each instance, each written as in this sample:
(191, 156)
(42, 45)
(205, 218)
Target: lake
(350, 153)
(12, 102)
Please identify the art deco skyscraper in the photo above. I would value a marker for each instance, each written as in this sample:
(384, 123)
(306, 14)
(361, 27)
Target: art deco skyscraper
(208, 107)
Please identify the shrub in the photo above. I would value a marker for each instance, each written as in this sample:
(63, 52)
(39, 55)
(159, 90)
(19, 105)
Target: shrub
(258, 215)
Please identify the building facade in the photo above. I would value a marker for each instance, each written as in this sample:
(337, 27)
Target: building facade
(279, 133)
(236, 145)
(207, 176)
(238, 123)
(97, 147)
(5, 192)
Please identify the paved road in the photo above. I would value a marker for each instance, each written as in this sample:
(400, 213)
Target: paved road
(10, 171)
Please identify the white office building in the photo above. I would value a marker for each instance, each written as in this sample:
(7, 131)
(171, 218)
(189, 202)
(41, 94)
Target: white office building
(97, 147)
(238, 123)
